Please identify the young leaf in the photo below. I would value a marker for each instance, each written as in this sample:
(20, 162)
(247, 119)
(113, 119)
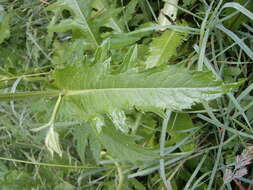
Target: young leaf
(164, 47)
(122, 40)
(130, 59)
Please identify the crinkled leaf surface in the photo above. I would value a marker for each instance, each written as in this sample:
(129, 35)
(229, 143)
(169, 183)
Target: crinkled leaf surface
(95, 90)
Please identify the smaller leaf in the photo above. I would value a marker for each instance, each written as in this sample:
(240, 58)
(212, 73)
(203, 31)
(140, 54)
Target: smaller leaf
(118, 41)
(81, 138)
(88, 139)
(164, 47)
(123, 147)
(129, 11)
(85, 7)
(4, 25)
(109, 15)
(95, 146)
(136, 184)
(178, 124)
(71, 52)
(79, 24)
(130, 59)
(102, 53)
(121, 40)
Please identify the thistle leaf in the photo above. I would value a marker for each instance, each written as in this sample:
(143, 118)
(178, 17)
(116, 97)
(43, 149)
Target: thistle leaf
(164, 47)
(180, 122)
(130, 59)
(85, 137)
(81, 138)
(94, 90)
(79, 23)
(123, 147)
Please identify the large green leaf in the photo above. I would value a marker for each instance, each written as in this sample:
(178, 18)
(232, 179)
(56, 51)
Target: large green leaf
(94, 90)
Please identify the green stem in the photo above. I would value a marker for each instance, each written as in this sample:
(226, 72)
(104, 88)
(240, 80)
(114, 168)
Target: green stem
(55, 109)
(52, 119)
(47, 164)
(25, 95)
(23, 76)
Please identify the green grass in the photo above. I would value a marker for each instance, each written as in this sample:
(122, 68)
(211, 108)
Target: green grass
(93, 56)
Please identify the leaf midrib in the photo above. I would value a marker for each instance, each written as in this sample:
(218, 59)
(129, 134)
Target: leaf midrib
(86, 91)
(83, 18)
(165, 47)
(33, 94)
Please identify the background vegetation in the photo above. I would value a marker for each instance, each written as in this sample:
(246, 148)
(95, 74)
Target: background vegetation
(190, 138)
